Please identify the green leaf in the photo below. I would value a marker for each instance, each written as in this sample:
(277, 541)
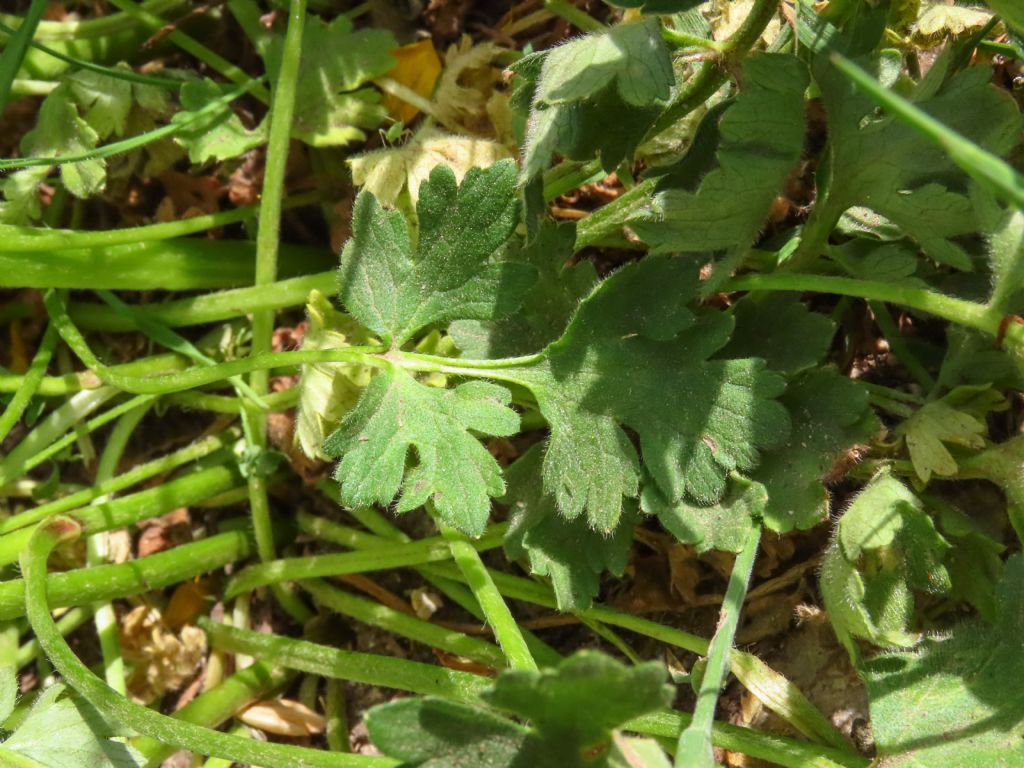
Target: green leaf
(632, 56)
(954, 700)
(779, 328)
(575, 705)
(596, 95)
(830, 414)
(451, 468)
(107, 101)
(452, 274)
(331, 106)
(635, 357)
(884, 547)
(547, 308)
(883, 164)
(760, 140)
(1001, 464)
(568, 552)
(949, 420)
(436, 733)
(1011, 12)
(219, 136)
(573, 710)
(65, 730)
(724, 526)
(61, 131)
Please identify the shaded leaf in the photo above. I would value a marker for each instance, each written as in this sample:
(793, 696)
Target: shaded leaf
(952, 701)
(568, 552)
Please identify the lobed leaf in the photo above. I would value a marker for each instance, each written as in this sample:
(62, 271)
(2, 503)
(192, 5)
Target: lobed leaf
(396, 414)
(395, 291)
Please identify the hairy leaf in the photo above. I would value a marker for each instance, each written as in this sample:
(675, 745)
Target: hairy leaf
(572, 711)
(451, 468)
(724, 525)
(395, 291)
(389, 172)
(883, 164)
(953, 701)
(884, 547)
(956, 419)
(547, 308)
(568, 552)
(779, 328)
(830, 414)
(596, 95)
(65, 730)
(634, 357)
(760, 140)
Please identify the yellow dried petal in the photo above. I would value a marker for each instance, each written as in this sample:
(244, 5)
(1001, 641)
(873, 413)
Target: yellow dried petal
(418, 68)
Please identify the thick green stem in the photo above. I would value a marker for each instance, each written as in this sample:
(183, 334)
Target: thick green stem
(318, 566)
(713, 73)
(108, 582)
(144, 505)
(211, 307)
(404, 624)
(267, 238)
(498, 615)
(368, 668)
(33, 377)
(966, 313)
(97, 547)
(36, 239)
(126, 713)
(127, 479)
(695, 745)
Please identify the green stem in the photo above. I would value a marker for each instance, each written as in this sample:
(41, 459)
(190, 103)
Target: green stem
(97, 546)
(125, 713)
(404, 624)
(129, 510)
(33, 377)
(86, 586)
(80, 431)
(56, 424)
(216, 705)
(959, 311)
(177, 264)
(317, 566)
(495, 609)
(14, 51)
(367, 668)
(575, 16)
(695, 745)
(127, 479)
(211, 307)
(777, 750)
(33, 239)
(267, 237)
(713, 74)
